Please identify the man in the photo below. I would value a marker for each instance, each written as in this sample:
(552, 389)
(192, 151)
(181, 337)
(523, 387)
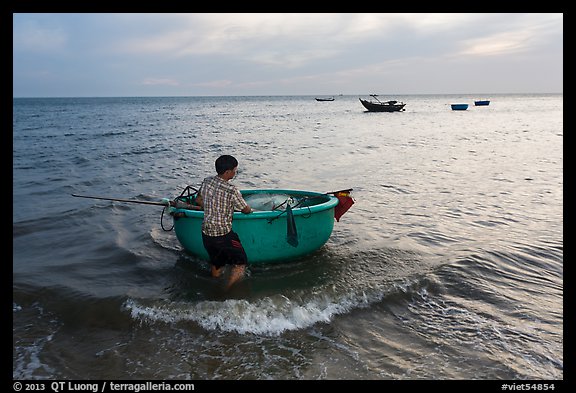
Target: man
(219, 199)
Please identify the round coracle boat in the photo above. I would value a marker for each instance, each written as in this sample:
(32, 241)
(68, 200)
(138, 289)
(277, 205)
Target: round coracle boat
(284, 224)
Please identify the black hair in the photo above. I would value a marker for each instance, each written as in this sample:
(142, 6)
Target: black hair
(224, 163)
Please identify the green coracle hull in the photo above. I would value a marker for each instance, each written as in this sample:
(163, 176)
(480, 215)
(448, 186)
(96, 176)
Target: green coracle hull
(264, 234)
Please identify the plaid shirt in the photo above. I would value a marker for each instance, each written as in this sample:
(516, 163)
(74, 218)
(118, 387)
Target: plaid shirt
(220, 199)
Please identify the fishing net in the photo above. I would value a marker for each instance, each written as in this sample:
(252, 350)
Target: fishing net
(269, 202)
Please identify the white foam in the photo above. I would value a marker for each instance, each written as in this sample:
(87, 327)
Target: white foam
(164, 239)
(267, 316)
(27, 363)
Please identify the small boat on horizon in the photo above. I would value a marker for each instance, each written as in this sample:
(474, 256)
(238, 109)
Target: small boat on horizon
(325, 99)
(482, 103)
(459, 107)
(382, 106)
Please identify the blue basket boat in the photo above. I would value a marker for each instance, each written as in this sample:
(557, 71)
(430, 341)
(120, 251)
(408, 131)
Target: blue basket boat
(265, 234)
(459, 107)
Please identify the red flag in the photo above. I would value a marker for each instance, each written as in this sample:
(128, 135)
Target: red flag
(345, 201)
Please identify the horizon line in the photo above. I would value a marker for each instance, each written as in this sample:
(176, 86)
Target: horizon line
(287, 95)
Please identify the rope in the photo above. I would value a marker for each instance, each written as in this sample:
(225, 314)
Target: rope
(162, 221)
(182, 198)
(294, 207)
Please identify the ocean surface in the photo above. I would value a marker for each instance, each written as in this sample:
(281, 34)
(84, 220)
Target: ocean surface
(449, 266)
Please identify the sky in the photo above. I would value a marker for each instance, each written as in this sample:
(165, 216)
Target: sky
(246, 54)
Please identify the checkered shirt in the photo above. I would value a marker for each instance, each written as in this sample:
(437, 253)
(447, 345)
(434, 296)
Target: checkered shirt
(220, 199)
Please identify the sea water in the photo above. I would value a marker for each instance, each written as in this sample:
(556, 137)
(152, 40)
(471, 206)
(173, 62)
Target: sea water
(448, 266)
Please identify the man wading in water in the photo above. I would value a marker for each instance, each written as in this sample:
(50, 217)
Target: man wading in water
(219, 198)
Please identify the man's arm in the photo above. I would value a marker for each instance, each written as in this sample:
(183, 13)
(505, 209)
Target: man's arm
(199, 201)
(240, 203)
(183, 205)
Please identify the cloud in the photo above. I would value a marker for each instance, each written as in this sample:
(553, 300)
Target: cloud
(296, 40)
(281, 52)
(504, 43)
(160, 82)
(258, 37)
(32, 37)
(518, 37)
(214, 84)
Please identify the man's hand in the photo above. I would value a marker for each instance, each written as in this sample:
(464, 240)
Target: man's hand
(183, 205)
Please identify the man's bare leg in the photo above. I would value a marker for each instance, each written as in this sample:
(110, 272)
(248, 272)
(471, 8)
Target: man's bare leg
(236, 273)
(216, 272)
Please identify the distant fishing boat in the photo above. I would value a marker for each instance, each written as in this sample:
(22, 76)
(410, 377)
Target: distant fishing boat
(382, 106)
(482, 103)
(325, 99)
(459, 107)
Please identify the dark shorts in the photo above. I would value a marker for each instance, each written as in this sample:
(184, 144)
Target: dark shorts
(225, 250)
